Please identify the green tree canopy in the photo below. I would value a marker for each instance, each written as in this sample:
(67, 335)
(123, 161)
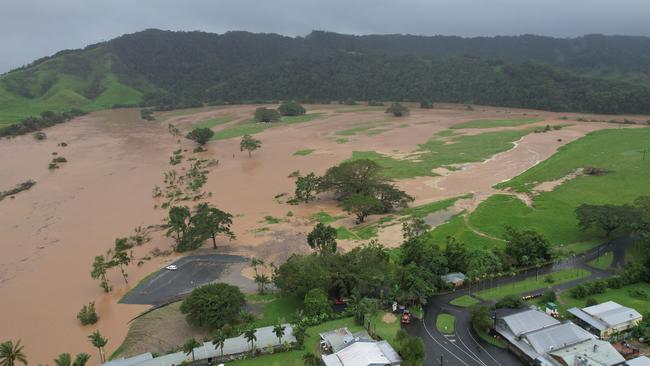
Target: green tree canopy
(200, 135)
(609, 218)
(527, 244)
(398, 110)
(11, 353)
(213, 305)
(263, 114)
(211, 221)
(322, 239)
(249, 144)
(316, 303)
(361, 206)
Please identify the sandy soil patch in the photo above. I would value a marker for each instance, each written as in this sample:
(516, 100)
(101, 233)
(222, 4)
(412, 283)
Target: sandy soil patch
(389, 318)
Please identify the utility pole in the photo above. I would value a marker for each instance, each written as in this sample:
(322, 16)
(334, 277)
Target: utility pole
(440, 360)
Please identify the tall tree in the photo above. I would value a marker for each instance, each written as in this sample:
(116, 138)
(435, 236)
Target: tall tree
(189, 346)
(213, 305)
(250, 336)
(64, 359)
(607, 217)
(249, 144)
(99, 342)
(121, 259)
(219, 340)
(322, 239)
(361, 206)
(11, 353)
(527, 243)
(213, 221)
(100, 267)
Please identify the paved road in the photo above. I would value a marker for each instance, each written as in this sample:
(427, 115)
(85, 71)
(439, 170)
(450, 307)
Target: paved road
(464, 348)
(193, 271)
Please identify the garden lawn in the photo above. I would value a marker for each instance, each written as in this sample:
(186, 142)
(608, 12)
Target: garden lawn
(464, 301)
(532, 284)
(445, 323)
(490, 123)
(456, 227)
(386, 330)
(276, 308)
(619, 295)
(294, 358)
(438, 152)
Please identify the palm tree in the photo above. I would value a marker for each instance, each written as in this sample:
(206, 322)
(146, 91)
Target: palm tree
(310, 359)
(219, 340)
(189, 347)
(278, 329)
(81, 359)
(99, 342)
(10, 353)
(249, 334)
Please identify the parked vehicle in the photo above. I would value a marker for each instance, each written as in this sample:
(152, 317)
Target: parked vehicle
(171, 267)
(406, 317)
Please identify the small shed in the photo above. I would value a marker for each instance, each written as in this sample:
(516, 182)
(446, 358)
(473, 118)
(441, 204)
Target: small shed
(455, 279)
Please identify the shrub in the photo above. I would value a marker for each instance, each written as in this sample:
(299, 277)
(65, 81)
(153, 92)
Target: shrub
(426, 104)
(591, 302)
(200, 135)
(590, 170)
(147, 114)
(59, 159)
(510, 302)
(291, 109)
(615, 282)
(53, 166)
(374, 103)
(263, 114)
(316, 303)
(397, 110)
(348, 102)
(87, 314)
(40, 135)
(638, 294)
(549, 296)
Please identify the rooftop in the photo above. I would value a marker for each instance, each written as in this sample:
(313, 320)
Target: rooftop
(597, 352)
(363, 354)
(639, 361)
(528, 321)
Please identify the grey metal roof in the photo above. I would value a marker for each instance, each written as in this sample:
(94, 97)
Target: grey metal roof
(557, 337)
(612, 314)
(595, 323)
(389, 352)
(331, 360)
(528, 321)
(232, 346)
(597, 352)
(453, 277)
(639, 361)
(130, 361)
(338, 339)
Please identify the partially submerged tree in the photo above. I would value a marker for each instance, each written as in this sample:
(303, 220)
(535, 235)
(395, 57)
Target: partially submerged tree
(361, 206)
(291, 109)
(100, 267)
(426, 104)
(11, 353)
(263, 114)
(322, 239)
(98, 341)
(200, 135)
(398, 110)
(249, 144)
(212, 221)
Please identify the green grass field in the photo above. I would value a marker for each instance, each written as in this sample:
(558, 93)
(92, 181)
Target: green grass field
(437, 152)
(251, 127)
(428, 208)
(603, 262)
(212, 122)
(531, 284)
(325, 218)
(457, 228)
(620, 295)
(491, 123)
(303, 152)
(294, 358)
(276, 308)
(464, 301)
(446, 323)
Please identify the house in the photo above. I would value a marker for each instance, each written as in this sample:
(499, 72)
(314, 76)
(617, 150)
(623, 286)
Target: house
(606, 319)
(357, 349)
(455, 279)
(543, 340)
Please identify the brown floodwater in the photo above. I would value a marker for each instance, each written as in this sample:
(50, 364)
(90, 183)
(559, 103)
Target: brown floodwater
(50, 234)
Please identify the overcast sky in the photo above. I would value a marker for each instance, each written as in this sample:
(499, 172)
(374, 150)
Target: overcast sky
(30, 29)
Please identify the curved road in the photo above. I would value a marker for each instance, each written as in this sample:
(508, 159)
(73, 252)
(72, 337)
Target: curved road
(464, 348)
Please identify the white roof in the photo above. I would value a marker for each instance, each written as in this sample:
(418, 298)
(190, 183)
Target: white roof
(639, 361)
(363, 354)
(612, 313)
(528, 321)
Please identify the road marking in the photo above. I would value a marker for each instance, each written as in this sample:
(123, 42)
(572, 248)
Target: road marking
(440, 344)
(470, 351)
(484, 350)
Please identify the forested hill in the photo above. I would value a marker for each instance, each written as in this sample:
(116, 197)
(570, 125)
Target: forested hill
(595, 73)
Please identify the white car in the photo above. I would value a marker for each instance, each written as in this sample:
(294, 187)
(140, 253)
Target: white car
(171, 267)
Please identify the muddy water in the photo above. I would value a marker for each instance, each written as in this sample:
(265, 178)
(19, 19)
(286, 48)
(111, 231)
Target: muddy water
(50, 234)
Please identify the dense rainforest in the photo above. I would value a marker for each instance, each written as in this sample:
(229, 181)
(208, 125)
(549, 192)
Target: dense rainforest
(595, 73)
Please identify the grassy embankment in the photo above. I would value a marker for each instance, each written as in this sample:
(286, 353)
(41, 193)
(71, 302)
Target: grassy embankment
(631, 296)
(251, 127)
(533, 283)
(491, 123)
